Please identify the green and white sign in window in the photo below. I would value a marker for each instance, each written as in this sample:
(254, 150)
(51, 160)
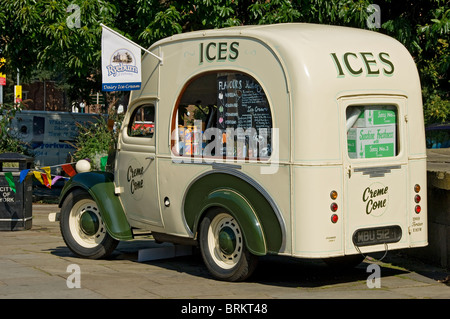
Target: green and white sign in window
(372, 131)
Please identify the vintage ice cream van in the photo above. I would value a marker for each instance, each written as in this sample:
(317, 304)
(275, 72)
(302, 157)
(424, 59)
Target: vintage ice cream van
(292, 139)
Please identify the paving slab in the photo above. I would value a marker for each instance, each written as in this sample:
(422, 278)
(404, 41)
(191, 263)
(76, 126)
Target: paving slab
(34, 265)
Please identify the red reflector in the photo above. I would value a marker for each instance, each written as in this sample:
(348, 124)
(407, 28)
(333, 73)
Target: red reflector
(418, 209)
(334, 207)
(417, 198)
(334, 218)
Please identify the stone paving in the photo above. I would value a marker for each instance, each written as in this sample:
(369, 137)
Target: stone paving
(34, 265)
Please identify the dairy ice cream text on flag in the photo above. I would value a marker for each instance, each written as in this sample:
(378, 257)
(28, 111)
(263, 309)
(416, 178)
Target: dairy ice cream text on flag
(121, 62)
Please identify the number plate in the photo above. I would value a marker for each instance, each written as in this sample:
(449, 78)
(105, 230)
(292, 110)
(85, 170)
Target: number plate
(378, 235)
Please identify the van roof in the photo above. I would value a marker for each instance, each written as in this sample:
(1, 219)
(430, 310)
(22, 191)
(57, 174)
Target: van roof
(314, 53)
(279, 32)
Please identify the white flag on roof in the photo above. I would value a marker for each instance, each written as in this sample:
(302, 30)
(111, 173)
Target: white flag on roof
(121, 62)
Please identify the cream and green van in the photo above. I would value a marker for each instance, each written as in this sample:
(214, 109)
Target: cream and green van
(293, 139)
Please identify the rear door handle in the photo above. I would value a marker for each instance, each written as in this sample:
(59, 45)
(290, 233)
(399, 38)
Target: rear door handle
(150, 158)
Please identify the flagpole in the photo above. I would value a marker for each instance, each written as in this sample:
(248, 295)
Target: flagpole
(128, 40)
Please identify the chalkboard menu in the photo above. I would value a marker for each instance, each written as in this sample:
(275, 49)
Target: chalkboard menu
(242, 104)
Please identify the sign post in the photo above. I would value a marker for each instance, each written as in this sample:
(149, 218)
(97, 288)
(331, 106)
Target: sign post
(2, 80)
(17, 94)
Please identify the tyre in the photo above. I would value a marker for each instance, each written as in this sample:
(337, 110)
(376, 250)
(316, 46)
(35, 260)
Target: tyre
(82, 227)
(223, 247)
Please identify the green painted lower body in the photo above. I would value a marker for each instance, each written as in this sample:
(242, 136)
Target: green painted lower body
(256, 216)
(100, 186)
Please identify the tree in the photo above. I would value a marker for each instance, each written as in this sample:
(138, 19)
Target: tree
(40, 35)
(37, 37)
(423, 26)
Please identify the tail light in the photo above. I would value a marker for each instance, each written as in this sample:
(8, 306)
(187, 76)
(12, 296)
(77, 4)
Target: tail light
(334, 207)
(417, 188)
(417, 199)
(334, 218)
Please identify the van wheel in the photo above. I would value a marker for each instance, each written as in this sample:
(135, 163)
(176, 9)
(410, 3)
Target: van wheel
(82, 227)
(223, 247)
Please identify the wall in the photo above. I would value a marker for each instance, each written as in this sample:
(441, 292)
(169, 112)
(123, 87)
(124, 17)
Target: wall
(438, 178)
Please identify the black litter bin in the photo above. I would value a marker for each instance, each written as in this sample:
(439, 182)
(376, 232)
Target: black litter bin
(15, 207)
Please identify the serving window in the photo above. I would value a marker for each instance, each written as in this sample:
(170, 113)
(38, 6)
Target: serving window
(372, 131)
(225, 115)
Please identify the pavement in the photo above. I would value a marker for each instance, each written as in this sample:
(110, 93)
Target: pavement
(36, 264)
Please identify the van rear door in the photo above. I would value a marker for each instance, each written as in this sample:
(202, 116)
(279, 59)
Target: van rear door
(375, 173)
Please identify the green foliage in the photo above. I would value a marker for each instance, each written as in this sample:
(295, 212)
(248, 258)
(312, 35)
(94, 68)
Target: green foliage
(98, 139)
(9, 139)
(423, 26)
(35, 35)
(436, 109)
(435, 66)
(93, 142)
(278, 11)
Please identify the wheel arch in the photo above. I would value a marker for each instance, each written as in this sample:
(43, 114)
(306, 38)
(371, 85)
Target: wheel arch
(242, 211)
(262, 223)
(100, 186)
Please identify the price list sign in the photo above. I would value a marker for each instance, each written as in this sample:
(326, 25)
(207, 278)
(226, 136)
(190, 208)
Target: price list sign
(243, 107)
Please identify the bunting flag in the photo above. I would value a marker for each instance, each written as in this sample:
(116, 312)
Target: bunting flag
(24, 174)
(46, 181)
(54, 180)
(45, 178)
(103, 162)
(48, 174)
(68, 169)
(38, 177)
(10, 179)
